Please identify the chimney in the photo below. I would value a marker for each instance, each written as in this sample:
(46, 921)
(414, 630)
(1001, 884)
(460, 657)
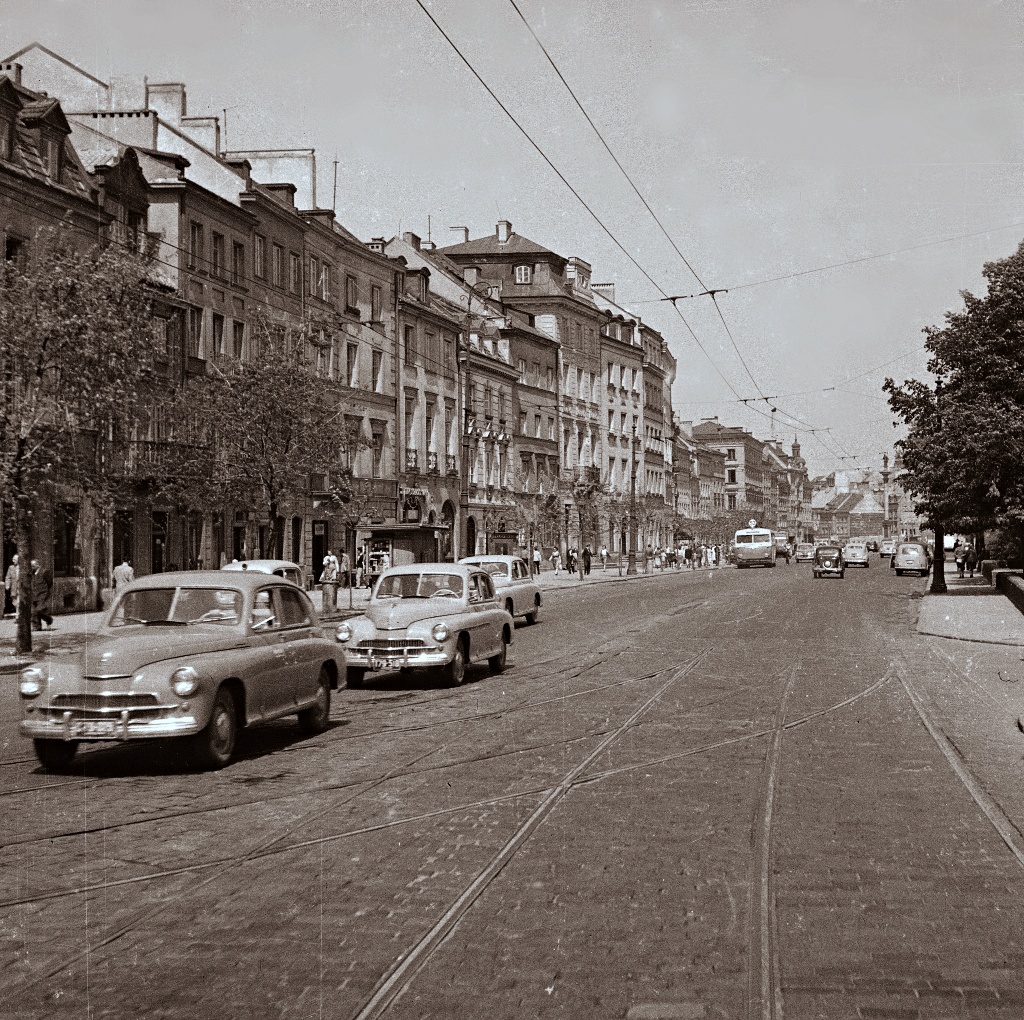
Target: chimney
(204, 131)
(377, 244)
(411, 239)
(606, 290)
(471, 274)
(12, 70)
(503, 231)
(465, 234)
(168, 100)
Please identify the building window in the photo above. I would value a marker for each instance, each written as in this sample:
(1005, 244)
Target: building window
(524, 274)
(428, 424)
(730, 453)
(375, 303)
(218, 334)
(314, 275)
(536, 426)
(449, 355)
(377, 447)
(195, 332)
(219, 252)
(6, 135)
(351, 295)
(195, 245)
(259, 263)
(14, 250)
(351, 361)
(50, 152)
(550, 378)
(412, 354)
(238, 339)
(731, 476)
(378, 363)
(551, 428)
(522, 370)
(67, 553)
(732, 501)
(325, 287)
(277, 266)
(294, 273)
(237, 262)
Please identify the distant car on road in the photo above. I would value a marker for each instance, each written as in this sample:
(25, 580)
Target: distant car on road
(434, 615)
(856, 554)
(828, 561)
(196, 654)
(805, 552)
(279, 568)
(887, 548)
(513, 583)
(911, 558)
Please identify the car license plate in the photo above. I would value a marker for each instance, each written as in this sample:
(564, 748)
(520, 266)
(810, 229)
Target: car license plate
(378, 663)
(94, 728)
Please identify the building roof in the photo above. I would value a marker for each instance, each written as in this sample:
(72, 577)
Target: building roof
(490, 245)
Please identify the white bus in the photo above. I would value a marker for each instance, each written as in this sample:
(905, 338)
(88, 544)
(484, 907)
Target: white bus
(754, 546)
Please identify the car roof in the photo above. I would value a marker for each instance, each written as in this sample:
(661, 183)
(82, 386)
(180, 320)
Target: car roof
(496, 558)
(244, 580)
(432, 568)
(262, 566)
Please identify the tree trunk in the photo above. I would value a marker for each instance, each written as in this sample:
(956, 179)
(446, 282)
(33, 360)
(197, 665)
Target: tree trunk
(23, 538)
(939, 575)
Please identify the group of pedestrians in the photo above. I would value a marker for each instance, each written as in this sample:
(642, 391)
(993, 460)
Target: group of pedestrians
(41, 588)
(965, 556)
(575, 561)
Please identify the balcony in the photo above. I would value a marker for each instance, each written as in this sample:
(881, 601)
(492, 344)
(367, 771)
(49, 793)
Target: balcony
(432, 462)
(412, 459)
(452, 464)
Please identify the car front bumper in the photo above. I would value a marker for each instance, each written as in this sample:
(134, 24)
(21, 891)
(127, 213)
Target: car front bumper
(41, 722)
(378, 659)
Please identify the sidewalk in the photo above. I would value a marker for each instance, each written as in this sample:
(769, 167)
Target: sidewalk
(971, 611)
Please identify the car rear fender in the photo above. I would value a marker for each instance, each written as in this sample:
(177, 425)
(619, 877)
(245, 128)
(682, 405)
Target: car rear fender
(332, 671)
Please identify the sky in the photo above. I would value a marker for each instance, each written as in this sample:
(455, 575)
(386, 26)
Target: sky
(769, 137)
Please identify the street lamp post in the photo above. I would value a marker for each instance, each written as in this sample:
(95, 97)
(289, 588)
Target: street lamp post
(631, 566)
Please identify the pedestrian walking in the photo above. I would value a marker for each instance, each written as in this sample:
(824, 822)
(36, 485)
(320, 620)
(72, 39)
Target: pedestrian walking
(587, 557)
(971, 560)
(570, 561)
(42, 593)
(688, 556)
(344, 571)
(11, 585)
(123, 575)
(556, 560)
(360, 567)
(604, 557)
(960, 555)
(329, 582)
(536, 560)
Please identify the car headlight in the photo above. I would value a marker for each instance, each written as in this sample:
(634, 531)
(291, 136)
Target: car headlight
(439, 631)
(184, 681)
(33, 680)
(344, 632)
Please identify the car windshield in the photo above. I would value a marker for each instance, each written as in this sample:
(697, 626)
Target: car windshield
(910, 550)
(828, 550)
(427, 585)
(178, 607)
(495, 568)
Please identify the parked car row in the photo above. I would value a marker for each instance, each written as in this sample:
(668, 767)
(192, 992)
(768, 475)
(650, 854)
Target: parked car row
(198, 655)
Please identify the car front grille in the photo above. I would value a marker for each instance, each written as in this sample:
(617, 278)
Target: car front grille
(391, 644)
(103, 706)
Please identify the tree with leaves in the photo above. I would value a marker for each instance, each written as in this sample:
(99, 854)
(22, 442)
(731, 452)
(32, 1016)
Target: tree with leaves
(273, 422)
(964, 448)
(75, 354)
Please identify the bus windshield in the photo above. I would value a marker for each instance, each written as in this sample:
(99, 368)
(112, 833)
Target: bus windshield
(753, 537)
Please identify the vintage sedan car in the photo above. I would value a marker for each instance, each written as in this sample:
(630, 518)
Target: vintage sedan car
(195, 654)
(887, 548)
(437, 615)
(911, 558)
(804, 552)
(279, 568)
(828, 561)
(855, 554)
(513, 583)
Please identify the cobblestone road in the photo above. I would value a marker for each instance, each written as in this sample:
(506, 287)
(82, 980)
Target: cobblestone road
(747, 794)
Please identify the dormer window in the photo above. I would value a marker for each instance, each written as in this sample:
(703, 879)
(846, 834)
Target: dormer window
(524, 274)
(6, 134)
(51, 149)
(583, 282)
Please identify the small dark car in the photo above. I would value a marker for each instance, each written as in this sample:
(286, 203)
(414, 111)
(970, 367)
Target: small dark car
(828, 561)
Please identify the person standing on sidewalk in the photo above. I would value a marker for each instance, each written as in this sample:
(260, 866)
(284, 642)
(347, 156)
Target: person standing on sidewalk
(42, 592)
(604, 557)
(587, 557)
(960, 556)
(123, 575)
(536, 560)
(556, 560)
(970, 560)
(329, 582)
(11, 584)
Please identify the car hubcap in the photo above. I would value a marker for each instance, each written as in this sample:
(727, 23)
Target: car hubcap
(222, 729)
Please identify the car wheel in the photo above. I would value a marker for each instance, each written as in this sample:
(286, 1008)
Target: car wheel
(314, 719)
(354, 676)
(899, 573)
(214, 746)
(531, 618)
(842, 574)
(55, 755)
(455, 671)
(497, 662)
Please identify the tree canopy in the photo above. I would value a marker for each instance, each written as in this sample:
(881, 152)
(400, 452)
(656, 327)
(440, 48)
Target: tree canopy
(964, 449)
